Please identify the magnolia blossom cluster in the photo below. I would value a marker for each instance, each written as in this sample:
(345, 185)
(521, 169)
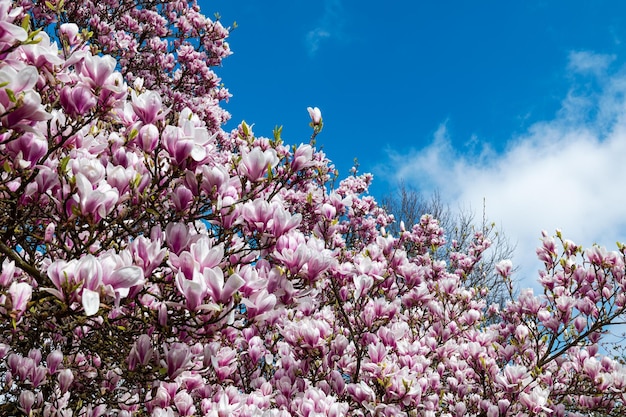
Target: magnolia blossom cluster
(167, 46)
(153, 264)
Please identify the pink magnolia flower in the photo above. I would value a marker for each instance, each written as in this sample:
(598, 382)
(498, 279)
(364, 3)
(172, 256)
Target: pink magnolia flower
(516, 375)
(302, 157)
(62, 275)
(77, 100)
(96, 202)
(90, 167)
(65, 378)
(96, 70)
(361, 392)
(176, 145)
(316, 115)
(194, 289)
(199, 138)
(177, 237)
(536, 400)
(26, 110)
(377, 352)
(142, 351)
(28, 149)
(70, 32)
(43, 54)
(259, 303)
(258, 213)
(362, 284)
(21, 293)
(214, 179)
(182, 197)
(148, 137)
(123, 279)
(177, 358)
(282, 221)
(148, 106)
(255, 163)
(223, 405)
(119, 177)
(222, 290)
(27, 400)
(147, 253)
(184, 404)
(205, 253)
(88, 272)
(10, 32)
(187, 141)
(91, 301)
(224, 362)
(53, 360)
(7, 272)
(504, 267)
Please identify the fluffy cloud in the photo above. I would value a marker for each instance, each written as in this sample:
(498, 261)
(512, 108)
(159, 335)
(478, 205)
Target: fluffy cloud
(566, 173)
(330, 25)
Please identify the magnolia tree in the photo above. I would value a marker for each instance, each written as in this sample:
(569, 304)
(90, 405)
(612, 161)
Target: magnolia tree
(408, 205)
(153, 264)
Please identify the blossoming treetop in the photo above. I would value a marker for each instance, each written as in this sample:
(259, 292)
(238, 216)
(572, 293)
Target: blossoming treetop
(153, 264)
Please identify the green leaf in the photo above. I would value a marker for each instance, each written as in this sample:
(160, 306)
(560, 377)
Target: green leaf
(63, 164)
(136, 181)
(133, 134)
(245, 128)
(270, 176)
(11, 95)
(32, 37)
(26, 22)
(277, 132)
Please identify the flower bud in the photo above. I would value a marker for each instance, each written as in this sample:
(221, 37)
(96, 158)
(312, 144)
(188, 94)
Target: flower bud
(70, 32)
(316, 116)
(66, 377)
(27, 400)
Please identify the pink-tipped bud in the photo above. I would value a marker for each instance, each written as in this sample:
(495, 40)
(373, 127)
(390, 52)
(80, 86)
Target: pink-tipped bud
(21, 293)
(148, 137)
(8, 271)
(504, 268)
(53, 360)
(4, 349)
(70, 32)
(162, 315)
(184, 404)
(66, 377)
(27, 400)
(49, 234)
(144, 349)
(316, 115)
(177, 358)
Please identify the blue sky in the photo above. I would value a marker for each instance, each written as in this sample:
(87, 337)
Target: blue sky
(517, 103)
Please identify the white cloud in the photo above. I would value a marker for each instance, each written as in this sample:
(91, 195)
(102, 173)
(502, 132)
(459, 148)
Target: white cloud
(587, 62)
(567, 173)
(329, 26)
